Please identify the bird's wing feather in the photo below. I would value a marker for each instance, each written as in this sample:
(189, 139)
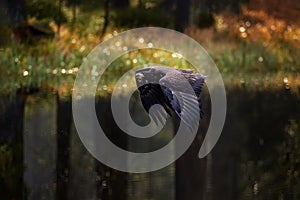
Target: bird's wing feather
(196, 81)
(185, 105)
(175, 104)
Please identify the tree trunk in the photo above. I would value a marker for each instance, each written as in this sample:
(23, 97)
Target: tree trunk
(59, 16)
(64, 119)
(120, 3)
(182, 15)
(73, 16)
(16, 11)
(11, 144)
(106, 18)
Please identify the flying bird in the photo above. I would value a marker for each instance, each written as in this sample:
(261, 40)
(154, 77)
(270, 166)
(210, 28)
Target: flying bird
(174, 89)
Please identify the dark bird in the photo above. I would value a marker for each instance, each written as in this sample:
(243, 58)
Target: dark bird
(174, 89)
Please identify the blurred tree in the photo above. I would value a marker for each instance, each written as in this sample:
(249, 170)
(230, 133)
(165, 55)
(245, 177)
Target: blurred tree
(230, 5)
(59, 20)
(73, 4)
(149, 4)
(206, 6)
(138, 17)
(289, 154)
(106, 17)
(140, 4)
(64, 120)
(120, 3)
(17, 12)
(92, 5)
(182, 14)
(45, 11)
(11, 146)
(14, 18)
(3, 23)
(168, 5)
(206, 18)
(202, 11)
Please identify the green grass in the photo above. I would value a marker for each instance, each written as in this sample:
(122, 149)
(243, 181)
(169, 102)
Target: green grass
(39, 66)
(256, 58)
(52, 64)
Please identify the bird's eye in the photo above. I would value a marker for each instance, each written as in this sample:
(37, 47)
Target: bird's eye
(139, 75)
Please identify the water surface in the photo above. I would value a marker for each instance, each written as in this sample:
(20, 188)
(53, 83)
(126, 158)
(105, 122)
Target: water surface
(256, 157)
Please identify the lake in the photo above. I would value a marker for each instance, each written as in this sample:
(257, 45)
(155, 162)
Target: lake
(256, 157)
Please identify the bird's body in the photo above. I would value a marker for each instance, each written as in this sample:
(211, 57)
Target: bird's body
(174, 89)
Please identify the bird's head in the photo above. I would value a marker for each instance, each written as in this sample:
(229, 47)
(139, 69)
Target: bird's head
(149, 75)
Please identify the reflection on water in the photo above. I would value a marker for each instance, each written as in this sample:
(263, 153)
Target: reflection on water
(39, 137)
(257, 156)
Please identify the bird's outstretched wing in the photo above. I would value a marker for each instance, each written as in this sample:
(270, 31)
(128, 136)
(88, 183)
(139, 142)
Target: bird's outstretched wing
(196, 81)
(152, 94)
(185, 105)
